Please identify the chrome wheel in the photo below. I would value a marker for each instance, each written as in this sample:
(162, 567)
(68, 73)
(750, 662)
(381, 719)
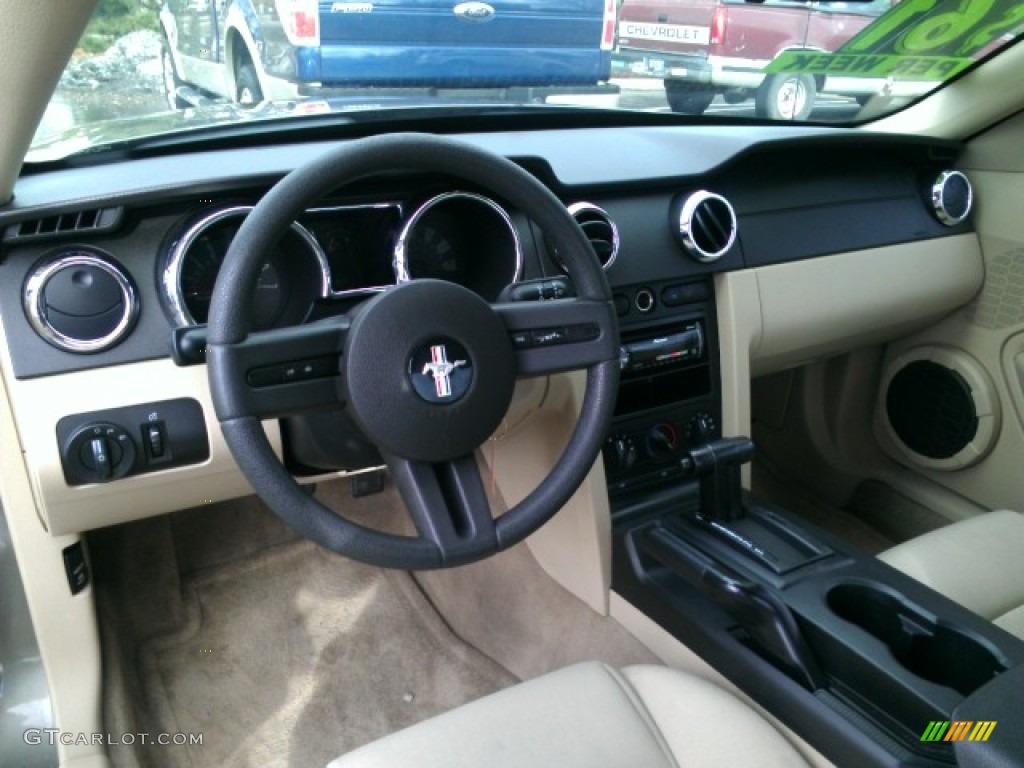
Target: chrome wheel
(791, 99)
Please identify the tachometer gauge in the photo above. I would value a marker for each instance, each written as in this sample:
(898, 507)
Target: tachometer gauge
(198, 275)
(293, 278)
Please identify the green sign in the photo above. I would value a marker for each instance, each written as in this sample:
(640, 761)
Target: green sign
(915, 40)
(868, 65)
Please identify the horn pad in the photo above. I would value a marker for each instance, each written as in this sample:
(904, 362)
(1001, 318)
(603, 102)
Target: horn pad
(429, 370)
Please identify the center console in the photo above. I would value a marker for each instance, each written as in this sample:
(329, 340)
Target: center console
(868, 665)
(669, 398)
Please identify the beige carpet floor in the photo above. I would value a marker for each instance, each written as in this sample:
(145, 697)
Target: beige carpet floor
(221, 621)
(288, 656)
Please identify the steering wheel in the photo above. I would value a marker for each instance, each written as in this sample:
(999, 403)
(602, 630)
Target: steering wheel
(426, 368)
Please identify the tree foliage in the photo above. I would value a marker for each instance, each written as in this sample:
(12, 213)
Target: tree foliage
(114, 18)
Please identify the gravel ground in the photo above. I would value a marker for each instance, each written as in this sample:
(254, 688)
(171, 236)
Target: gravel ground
(132, 63)
(124, 81)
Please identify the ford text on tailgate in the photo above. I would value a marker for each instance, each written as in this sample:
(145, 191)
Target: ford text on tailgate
(702, 48)
(249, 51)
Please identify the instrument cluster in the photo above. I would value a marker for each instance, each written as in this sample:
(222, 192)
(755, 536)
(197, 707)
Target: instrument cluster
(347, 250)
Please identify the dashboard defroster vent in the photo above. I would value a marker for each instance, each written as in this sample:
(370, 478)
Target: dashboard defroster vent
(705, 224)
(75, 222)
(600, 230)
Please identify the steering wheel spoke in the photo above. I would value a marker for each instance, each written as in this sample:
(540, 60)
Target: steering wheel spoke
(284, 371)
(448, 505)
(561, 334)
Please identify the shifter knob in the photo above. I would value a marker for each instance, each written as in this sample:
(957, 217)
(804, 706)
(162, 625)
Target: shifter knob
(727, 450)
(718, 465)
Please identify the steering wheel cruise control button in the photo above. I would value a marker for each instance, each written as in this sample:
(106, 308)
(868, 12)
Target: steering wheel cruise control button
(550, 337)
(297, 370)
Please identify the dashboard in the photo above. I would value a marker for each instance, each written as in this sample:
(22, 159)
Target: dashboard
(101, 262)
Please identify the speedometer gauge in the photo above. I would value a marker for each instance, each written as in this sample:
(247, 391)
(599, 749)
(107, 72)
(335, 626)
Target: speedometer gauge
(461, 237)
(292, 279)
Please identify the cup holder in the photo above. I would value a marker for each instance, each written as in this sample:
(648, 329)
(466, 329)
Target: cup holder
(932, 650)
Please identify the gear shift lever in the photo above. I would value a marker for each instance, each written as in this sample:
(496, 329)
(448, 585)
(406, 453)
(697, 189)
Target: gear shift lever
(755, 530)
(718, 464)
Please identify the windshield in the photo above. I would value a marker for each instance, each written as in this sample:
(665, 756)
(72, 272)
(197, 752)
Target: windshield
(147, 68)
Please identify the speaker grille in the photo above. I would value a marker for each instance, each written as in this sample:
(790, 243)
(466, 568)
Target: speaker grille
(931, 409)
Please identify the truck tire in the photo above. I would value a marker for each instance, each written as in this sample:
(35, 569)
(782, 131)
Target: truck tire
(688, 98)
(247, 84)
(785, 97)
(170, 77)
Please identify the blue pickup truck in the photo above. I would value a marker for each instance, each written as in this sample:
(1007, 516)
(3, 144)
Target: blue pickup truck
(255, 50)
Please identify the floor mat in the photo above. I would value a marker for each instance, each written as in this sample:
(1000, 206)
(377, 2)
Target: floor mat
(892, 514)
(295, 656)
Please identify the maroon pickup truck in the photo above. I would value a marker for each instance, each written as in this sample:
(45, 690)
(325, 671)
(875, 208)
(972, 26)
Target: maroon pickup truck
(705, 47)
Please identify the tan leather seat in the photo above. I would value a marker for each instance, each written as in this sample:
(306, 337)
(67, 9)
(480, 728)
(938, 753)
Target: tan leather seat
(979, 563)
(590, 716)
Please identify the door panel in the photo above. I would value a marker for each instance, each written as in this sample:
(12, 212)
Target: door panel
(196, 28)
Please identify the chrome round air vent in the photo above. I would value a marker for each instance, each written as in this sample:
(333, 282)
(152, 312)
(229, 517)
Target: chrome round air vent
(600, 230)
(952, 197)
(80, 301)
(705, 224)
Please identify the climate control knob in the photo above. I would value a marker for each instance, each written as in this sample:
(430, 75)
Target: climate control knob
(702, 429)
(620, 453)
(662, 441)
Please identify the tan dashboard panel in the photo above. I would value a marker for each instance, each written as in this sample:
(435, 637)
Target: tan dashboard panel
(65, 624)
(819, 307)
(40, 403)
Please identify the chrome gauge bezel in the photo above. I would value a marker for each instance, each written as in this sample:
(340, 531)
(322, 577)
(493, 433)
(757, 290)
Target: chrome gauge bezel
(170, 280)
(401, 252)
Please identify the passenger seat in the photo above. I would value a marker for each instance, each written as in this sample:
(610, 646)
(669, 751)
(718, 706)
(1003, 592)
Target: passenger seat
(978, 562)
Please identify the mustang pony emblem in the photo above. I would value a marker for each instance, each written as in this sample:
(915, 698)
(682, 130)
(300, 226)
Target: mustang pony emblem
(441, 369)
